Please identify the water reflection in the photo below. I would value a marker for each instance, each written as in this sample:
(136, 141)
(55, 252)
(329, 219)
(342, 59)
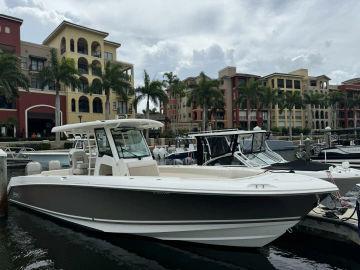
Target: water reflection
(35, 242)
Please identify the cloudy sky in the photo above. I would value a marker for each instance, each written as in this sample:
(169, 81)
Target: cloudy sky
(189, 36)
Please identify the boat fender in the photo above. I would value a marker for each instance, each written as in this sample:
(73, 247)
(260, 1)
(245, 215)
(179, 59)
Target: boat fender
(33, 167)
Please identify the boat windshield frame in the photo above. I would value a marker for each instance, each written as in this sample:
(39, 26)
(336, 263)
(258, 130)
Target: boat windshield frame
(261, 148)
(125, 150)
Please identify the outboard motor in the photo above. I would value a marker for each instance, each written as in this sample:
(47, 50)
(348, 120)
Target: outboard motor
(156, 153)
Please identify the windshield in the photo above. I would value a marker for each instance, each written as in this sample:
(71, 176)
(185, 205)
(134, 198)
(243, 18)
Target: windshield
(130, 143)
(252, 143)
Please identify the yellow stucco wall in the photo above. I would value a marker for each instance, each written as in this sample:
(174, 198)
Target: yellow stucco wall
(70, 32)
(276, 114)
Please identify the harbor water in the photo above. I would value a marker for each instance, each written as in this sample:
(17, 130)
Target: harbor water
(32, 241)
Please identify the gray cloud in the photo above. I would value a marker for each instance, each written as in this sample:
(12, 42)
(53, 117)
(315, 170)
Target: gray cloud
(191, 36)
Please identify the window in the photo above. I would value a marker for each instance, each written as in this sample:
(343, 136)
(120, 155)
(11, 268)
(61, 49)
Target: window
(229, 160)
(114, 106)
(313, 83)
(72, 45)
(63, 45)
(289, 84)
(130, 143)
(189, 115)
(97, 105)
(24, 63)
(108, 56)
(83, 104)
(36, 64)
(5, 104)
(280, 83)
(82, 46)
(297, 84)
(35, 82)
(272, 83)
(122, 107)
(102, 143)
(73, 105)
(7, 29)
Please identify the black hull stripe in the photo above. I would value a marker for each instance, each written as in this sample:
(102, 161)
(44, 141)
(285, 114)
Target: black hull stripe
(205, 222)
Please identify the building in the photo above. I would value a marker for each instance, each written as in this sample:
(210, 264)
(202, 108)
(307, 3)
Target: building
(316, 116)
(33, 111)
(234, 117)
(90, 51)
(349, 117)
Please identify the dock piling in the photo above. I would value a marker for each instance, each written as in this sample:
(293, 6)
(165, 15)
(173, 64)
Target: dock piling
(3, 184)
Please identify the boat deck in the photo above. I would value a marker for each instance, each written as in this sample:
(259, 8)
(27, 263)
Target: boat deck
(344, 228)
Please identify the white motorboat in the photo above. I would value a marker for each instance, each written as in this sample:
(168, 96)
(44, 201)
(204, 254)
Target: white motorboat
(250, 149)
(123, 190)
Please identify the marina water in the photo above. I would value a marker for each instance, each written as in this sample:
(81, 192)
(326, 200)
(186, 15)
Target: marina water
(31, 241)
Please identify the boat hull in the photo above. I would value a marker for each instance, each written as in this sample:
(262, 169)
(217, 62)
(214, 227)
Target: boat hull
(247, 221)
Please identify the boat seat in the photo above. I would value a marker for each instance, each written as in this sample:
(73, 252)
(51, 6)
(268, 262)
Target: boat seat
(143, 168)
(80, 162)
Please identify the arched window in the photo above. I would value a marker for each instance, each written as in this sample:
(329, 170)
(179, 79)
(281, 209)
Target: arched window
(97, 105)
(83, 66)
(322, 115)
(82, 46)
(317, 125)
(73, 105)
(83, 104)
(322, 125)
(84, 85)
(96, 68)
(96, 87)
(317, 114)
(72, 45)
(96, 49)
(63, 45)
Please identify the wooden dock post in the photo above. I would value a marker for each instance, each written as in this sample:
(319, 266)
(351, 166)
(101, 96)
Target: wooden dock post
(3, 184)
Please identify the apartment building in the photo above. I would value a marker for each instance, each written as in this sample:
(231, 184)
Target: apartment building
(33, 111)
(90, 51)
(234, 117)
(349, 117)
(316, 116)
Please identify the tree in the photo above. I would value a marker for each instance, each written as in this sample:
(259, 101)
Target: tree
(333, 100)
(11, 77)
(151, 91)
(249, 97)
(113, 79)
(311, 99)
(217, 104)
(293, 99)
(57, 73)
(268, 97)
(202, 94)
(176, 88)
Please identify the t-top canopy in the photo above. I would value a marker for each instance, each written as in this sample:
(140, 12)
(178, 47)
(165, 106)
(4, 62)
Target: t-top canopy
(123, 123)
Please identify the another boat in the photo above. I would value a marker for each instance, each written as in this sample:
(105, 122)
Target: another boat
(338, 154)
(16, 158)
(125, 191)
(250, 149)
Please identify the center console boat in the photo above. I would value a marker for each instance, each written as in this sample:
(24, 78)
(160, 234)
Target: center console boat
(121, 189)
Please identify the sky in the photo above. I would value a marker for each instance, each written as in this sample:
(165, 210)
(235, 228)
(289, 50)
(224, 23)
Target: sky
(188, 36)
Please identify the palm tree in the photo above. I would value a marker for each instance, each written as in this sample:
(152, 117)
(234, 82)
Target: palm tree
(292, 101)
(268, 97)
(151, 91)
(332, 100)
(248, 97)
(11, 77)
(217, 104)
(57, 73)
(114, 79)
(312, 99)
(175, 87)
(202, 94)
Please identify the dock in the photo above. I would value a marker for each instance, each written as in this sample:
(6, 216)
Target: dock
(340, 227)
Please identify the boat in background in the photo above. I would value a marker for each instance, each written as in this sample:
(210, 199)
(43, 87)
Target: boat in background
(123, 190)
(250, 149)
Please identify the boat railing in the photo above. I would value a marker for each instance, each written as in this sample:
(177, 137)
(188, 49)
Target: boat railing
(17, 152)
